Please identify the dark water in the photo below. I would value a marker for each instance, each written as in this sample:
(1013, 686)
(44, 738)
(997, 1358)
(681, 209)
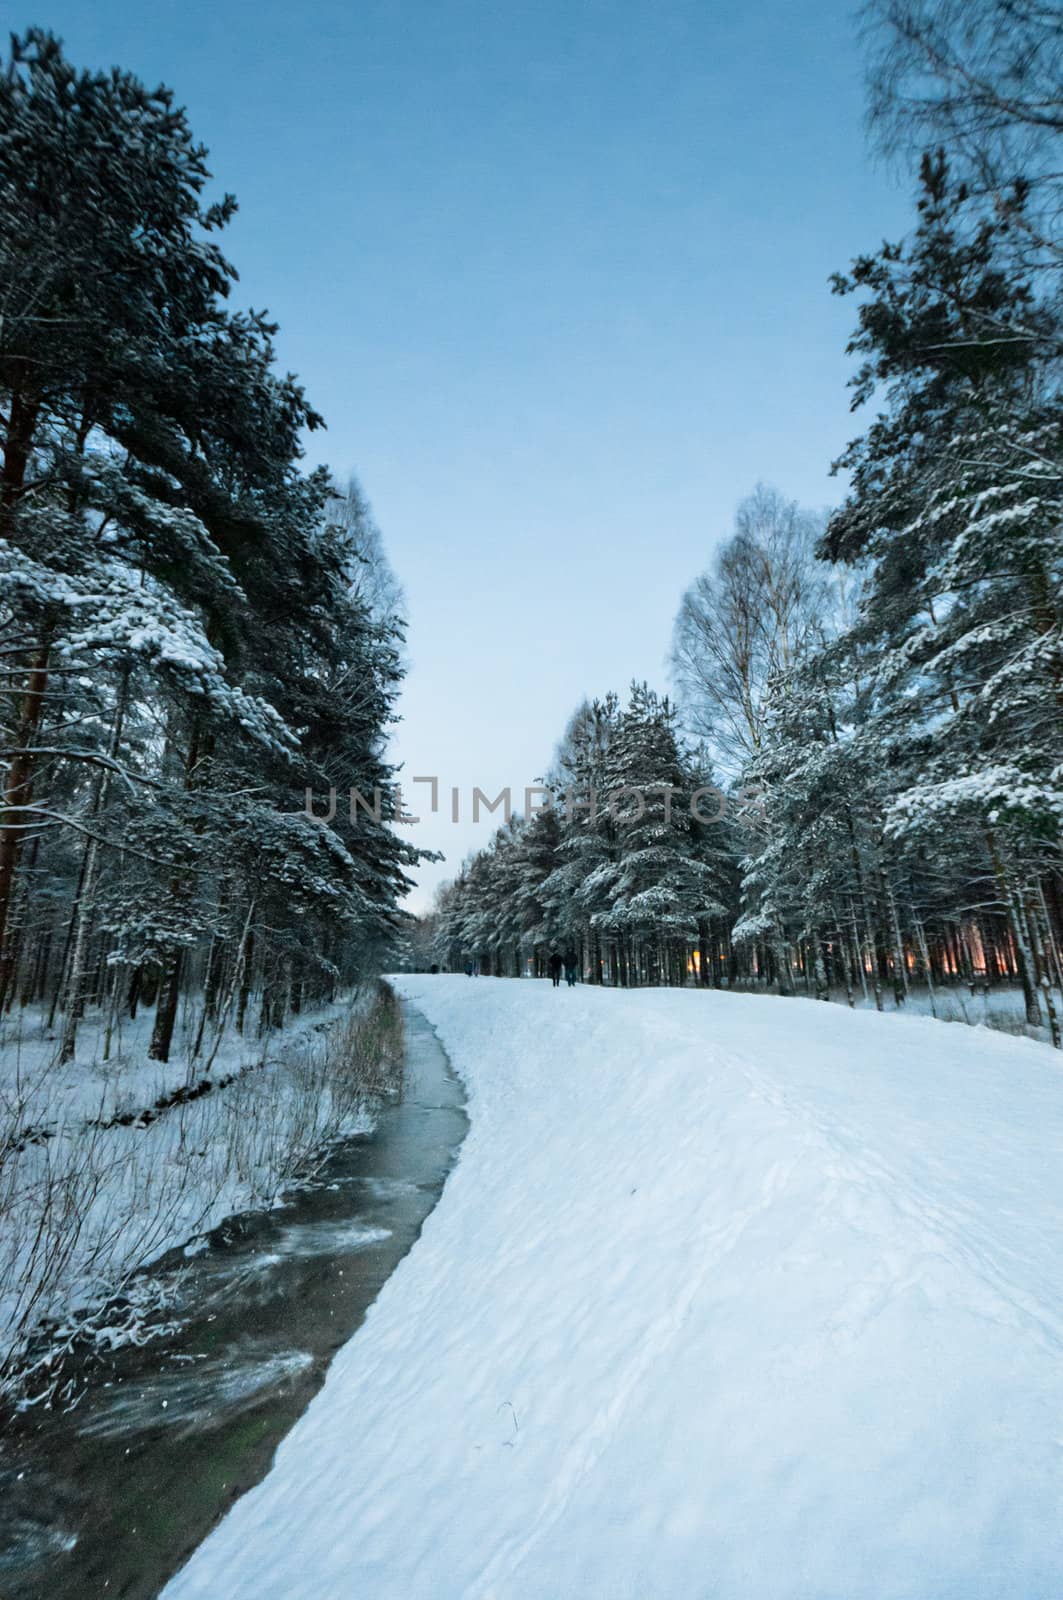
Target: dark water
(110, 1498)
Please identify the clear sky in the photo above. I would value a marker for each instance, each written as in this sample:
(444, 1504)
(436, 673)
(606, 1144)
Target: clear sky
(556, 273)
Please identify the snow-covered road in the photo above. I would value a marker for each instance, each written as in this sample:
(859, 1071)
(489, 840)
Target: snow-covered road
(727, 1297)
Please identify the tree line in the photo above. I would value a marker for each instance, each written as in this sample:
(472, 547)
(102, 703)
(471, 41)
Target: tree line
(888, 678)
(193, 628)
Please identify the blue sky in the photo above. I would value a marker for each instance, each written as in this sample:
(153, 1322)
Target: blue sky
(556, 274)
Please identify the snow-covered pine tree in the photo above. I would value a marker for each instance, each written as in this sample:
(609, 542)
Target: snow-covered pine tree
(957, 506)
(191, 638)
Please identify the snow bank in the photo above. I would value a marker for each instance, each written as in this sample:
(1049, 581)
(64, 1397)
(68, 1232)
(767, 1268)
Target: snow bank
(38, 1091)
(726, 1297)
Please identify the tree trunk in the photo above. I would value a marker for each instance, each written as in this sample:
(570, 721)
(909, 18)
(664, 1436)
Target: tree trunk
(1023, 954)
(84, 902)
(924, 956)
(18, 792)
(166, 1008)
(245, 983)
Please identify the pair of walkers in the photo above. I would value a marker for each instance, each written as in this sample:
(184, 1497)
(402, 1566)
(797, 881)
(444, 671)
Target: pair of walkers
(568, 963)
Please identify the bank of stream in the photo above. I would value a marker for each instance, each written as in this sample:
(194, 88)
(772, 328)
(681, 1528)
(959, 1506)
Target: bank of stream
(110, 1497)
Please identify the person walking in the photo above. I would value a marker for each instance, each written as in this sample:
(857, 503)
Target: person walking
(571, 960)
(555, 964)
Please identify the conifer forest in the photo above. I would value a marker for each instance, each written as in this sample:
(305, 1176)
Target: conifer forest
(531, 800)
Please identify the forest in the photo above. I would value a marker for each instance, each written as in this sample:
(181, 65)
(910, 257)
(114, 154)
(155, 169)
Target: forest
(878, 690)
(275, 1174)
(193, 628)
(854, 789)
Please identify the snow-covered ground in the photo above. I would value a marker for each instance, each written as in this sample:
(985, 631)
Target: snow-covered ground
(726, 1297)
(1001, 1007)
(46, 1093)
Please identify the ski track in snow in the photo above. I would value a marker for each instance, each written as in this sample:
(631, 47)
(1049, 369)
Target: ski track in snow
(727, 1297)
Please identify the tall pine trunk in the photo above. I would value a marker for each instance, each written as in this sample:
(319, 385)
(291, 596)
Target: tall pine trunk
(17, 796)
(166, 1007)
(1023, 954)
(84, 906)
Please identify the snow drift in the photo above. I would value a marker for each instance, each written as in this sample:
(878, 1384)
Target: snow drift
(726, 1297)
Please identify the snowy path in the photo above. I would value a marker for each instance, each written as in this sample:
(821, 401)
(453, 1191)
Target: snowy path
(727, 1297)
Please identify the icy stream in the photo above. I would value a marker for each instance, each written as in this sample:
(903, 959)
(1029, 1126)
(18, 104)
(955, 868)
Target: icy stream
(109, 1498)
